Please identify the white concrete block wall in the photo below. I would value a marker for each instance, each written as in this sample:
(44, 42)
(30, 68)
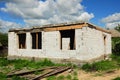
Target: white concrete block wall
(94, 43)
(52, 40)
(52, 46)
(12, 44)
(108, 44)
(28, 41)
(89, 45)
(29, 52)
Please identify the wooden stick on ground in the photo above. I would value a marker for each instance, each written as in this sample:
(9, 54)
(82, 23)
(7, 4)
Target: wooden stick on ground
(29, 72)
(52, 72)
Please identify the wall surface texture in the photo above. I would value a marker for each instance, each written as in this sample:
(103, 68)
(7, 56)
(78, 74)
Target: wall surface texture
(89, 42)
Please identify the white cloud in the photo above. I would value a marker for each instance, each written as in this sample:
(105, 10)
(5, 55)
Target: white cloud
(38, 12)
(6, 25)
(112, 21)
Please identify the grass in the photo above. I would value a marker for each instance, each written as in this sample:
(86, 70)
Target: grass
(51, 78)
(61, 77)
(2, 76)
(103, 65)
(115, 57)
(7, 66)
(18, 78)
(69, 77)
(19, 64)
(117, 78)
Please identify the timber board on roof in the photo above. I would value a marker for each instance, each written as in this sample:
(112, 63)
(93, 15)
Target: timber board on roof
(57, 27)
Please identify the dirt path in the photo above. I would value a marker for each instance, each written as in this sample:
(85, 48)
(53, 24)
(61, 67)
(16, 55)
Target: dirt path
(82, 75)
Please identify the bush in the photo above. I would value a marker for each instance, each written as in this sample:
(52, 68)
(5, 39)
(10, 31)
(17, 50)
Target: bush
(116, 45)
(116, 49)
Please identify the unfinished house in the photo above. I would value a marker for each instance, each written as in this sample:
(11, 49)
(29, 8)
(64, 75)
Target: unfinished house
(74, 42)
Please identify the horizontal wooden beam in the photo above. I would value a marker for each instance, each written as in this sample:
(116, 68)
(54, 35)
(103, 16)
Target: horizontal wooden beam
(65, 27)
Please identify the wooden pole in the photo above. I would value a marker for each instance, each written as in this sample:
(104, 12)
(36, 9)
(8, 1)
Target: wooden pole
(36, 40)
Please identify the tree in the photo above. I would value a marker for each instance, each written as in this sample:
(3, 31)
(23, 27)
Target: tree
(116, 42)
(4, 39)
(117, 28)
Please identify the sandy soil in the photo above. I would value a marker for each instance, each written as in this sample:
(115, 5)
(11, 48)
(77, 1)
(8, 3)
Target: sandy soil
(82, 75)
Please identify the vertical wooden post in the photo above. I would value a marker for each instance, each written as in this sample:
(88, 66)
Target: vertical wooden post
(74, 44)
(36, 40)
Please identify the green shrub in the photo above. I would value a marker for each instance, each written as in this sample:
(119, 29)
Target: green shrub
(116, 45)
(117, 78)
(116, 49)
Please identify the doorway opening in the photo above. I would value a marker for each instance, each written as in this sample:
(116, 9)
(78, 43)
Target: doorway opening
(67, 39)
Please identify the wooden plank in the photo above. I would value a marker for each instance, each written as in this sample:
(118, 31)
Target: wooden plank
(51, 72)
(65, 27)
(28, 72)
(36, 40)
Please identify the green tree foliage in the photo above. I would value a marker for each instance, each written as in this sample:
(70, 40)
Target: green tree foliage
(116, 42)
(117, 28)
(4, 39)
(116, 45)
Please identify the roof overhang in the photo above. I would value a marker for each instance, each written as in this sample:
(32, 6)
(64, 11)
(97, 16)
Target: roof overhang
(57, 27)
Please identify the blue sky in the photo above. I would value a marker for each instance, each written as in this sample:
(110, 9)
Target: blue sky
(101, 9)
(25, 13)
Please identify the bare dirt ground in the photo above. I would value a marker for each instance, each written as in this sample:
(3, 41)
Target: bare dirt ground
(82, 75)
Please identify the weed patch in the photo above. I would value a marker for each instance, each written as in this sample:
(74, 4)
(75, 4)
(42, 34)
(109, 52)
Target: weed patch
(100, 66)
(69, 77)
(115, 57)
(52, 78)
(18, 78)
(2, 76)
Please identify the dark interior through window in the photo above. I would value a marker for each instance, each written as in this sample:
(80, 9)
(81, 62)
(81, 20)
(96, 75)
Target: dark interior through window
(68, 34)
(22, 41)
(36, 40)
